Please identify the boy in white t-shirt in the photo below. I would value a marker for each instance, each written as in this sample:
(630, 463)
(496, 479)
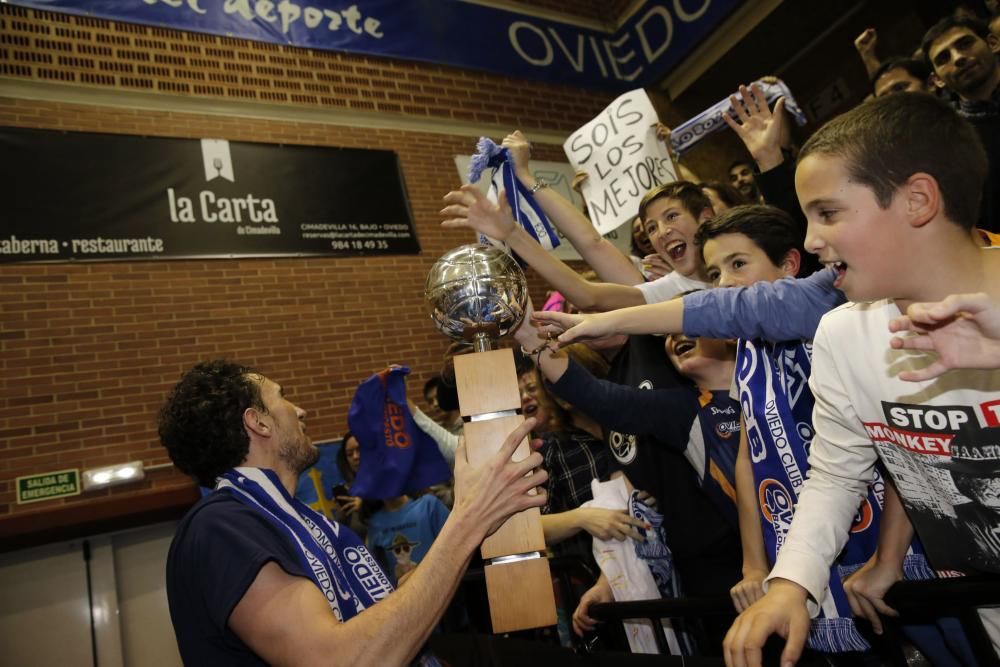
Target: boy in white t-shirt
(891, 190)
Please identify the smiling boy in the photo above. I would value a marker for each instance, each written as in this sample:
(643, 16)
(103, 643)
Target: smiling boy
(671, 214)
(891, 190)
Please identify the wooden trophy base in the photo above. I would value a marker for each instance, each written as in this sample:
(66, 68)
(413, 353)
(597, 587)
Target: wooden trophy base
(518, 580)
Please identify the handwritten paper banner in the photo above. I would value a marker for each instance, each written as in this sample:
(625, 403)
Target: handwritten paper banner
(622, 157)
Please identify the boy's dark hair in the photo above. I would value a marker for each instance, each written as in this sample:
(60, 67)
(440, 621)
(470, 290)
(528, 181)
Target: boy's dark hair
(980, 28)
(888, 139)
(729, 195)
(688, 194)
(201, 423)
(771, 229)
(918, 69)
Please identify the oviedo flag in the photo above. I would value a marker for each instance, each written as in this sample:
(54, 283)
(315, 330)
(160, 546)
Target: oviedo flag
(396, 456)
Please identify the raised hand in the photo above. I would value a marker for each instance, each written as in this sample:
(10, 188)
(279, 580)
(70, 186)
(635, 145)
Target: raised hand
(469, 208)
(963, 329)
(757, 126)
(520, 152)
(663, 133)
(865, 42)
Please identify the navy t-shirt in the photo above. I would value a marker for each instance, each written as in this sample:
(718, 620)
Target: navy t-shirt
(218, 549)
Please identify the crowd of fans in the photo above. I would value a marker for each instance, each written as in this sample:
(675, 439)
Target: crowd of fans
(795, 370)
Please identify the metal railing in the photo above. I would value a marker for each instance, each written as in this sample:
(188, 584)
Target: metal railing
(914, 600)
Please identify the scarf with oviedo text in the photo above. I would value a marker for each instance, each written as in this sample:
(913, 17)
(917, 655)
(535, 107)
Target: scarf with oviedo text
(339, 564)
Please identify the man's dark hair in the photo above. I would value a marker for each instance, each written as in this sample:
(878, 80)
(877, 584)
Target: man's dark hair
(980, 28)
(918, 69)
(771, 229)
(201, 424)
(688, 194)
(737, 163)
(888, 139)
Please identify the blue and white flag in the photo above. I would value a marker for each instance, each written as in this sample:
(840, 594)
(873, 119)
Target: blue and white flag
(526, 211)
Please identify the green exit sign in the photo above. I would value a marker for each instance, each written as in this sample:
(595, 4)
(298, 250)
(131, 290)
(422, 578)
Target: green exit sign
(48, 485)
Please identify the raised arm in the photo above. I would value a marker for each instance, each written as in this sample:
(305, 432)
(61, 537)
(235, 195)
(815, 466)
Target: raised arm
(602, 255)
(469, 208)
(865, 44)
(757, 126)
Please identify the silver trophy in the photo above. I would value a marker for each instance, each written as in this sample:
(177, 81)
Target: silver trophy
(476, 293)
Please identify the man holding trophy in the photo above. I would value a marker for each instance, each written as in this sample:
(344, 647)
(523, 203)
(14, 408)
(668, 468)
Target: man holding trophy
(254, 576)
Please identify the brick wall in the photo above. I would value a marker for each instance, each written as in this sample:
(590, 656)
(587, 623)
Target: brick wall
(88, 351)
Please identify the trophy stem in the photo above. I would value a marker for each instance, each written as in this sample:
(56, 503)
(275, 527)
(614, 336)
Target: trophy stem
(481, 342)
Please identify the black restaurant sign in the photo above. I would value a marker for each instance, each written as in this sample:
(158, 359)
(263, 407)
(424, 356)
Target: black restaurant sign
(82, 196)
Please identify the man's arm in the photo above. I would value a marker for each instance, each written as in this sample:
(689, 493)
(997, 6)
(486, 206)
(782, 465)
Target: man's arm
(602, 256)
(469, 208)
(286, 620)
(865, 44)
(761, 131)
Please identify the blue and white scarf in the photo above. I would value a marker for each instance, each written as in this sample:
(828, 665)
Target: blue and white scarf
(687, 134)
(777, 410)
(526, 211)
(339, 564)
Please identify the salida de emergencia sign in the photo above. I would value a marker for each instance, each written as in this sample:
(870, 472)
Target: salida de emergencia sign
(48, 486)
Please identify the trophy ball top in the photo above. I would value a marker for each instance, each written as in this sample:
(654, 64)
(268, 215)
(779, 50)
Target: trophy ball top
(476, 291)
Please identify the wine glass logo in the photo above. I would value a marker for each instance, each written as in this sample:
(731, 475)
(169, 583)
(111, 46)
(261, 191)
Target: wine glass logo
(216, 159)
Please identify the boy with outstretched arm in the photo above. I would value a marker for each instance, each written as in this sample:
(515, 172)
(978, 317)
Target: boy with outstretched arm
(891, 190)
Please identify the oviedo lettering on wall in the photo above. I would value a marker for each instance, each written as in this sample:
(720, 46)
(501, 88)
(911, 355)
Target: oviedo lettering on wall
(653, 39)
(126, 197)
